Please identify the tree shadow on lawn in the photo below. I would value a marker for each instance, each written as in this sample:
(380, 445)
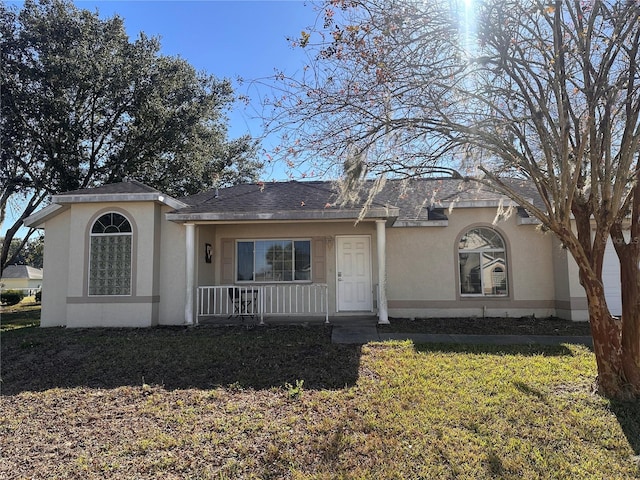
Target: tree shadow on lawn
(628, 415)
(35, 359)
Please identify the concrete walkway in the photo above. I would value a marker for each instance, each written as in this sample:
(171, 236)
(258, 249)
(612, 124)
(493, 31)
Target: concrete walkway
(360, 332)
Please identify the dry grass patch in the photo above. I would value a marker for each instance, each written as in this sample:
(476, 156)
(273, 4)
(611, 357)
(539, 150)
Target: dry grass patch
(286, 403)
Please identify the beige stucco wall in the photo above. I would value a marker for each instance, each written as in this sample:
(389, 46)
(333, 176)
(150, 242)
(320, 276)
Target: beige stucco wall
(55, 278)
(65, 286)
(423, 278)
(141, 215)
(172, 272)
(205, 273)
(571, 299)
(110, 314)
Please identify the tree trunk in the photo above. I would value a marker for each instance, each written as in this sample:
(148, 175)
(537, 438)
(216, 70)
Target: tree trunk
(606, 334)
(630, 341)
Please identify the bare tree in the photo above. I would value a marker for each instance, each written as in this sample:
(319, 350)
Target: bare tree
(496, 90)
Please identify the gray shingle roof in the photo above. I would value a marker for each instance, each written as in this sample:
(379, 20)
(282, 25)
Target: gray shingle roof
(411, 200)
(128, 186)
(22, 271)
(311, 200)
(263, 197)
(417, 199)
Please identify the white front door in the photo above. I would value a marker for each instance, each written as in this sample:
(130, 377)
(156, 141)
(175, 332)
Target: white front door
(354, 274)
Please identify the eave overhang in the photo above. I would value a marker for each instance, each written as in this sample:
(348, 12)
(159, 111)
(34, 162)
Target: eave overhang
(157, 197)
(37, 219)
(379, 213)
(490, 203)
(420, 223)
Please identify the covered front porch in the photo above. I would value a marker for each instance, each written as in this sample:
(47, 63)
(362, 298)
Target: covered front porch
(283, 249)
(216, 289)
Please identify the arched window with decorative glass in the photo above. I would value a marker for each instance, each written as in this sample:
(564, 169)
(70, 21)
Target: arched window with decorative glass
(110, 255)
(483, 263)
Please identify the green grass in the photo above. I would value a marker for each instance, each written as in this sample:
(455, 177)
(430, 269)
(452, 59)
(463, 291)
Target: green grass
(24, 314)
(283, 402)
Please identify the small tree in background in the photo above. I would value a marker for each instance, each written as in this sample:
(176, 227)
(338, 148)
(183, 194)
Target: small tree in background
(548, 93)
(25, 252)
(82, 106)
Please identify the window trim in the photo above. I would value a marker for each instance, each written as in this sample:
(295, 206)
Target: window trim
(87, 264)
(507, 266)
(276, 282)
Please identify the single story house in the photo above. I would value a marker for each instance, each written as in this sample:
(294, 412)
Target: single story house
(21, 277)
(128, 255)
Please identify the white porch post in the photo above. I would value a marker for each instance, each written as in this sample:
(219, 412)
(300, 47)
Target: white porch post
(190, 271)
(383, 316)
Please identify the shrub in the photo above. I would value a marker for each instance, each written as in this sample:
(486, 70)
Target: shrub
(11, 297)
(39, 296)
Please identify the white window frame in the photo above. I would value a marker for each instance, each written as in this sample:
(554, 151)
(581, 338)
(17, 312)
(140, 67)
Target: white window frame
(293, 253)
(114, 234)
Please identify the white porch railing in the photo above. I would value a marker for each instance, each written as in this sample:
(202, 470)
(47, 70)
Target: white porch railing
(260, 300)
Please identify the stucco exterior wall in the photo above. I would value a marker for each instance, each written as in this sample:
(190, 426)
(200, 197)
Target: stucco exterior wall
(67, 258)
(422, 266)
(55, 278)
(110, 314)
(206, 274)
(423, 277)
(571, 299)
(172, 272)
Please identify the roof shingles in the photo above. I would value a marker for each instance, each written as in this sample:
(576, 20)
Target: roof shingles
(414, 200)
(126, 187)
(418, 199)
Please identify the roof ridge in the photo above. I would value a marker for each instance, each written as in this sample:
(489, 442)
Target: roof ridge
(140, 184)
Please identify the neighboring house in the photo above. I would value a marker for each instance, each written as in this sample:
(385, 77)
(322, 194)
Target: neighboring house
(21, 277)
(127, 255)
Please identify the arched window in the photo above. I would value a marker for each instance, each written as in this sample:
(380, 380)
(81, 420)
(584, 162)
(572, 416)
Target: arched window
(483, 263)
(110, 255)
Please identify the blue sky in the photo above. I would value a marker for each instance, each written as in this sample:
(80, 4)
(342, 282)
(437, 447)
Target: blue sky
(229, 39)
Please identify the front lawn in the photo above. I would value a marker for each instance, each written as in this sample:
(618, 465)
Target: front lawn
(488, 326)
(283, 402)
(24, 314)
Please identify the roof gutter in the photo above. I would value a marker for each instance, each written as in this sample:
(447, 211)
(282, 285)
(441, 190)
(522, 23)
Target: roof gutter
(390, 214)
(158, 197)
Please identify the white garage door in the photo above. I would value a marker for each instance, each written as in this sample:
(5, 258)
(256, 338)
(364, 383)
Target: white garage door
(611, 279)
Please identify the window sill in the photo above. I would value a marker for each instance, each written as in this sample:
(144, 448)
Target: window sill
(114, 299)
(476, 296)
